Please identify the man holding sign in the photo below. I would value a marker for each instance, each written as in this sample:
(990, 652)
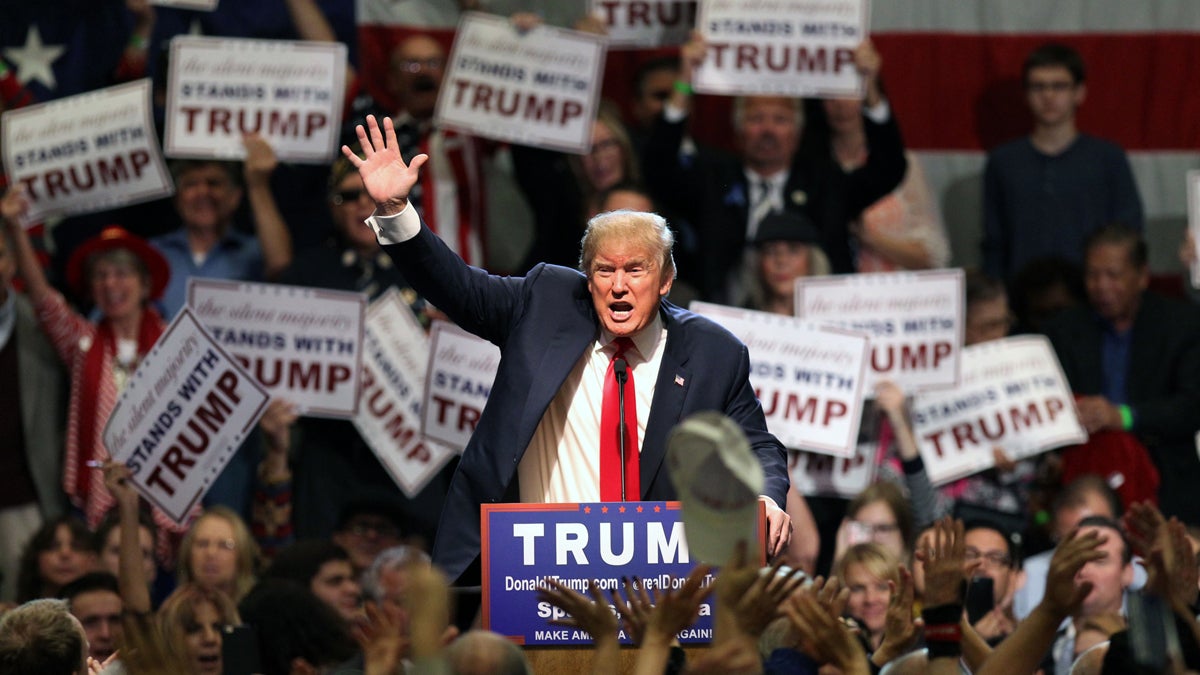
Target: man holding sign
(566, 340)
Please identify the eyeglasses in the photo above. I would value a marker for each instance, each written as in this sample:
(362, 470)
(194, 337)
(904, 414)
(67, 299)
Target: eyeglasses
(991, 558)
(1058, 86)
(417, 65)
(223, 544)
(346, 196)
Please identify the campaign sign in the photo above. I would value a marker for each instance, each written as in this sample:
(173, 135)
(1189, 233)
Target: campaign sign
(816, 475)
(389, 412)
(85, 153)
(200, 5)
(538, 88)
(524, 544)
(221, 88)
(461, 370)
(915, 320)
(808, 377)
(1193, 192)
(636, 24)
(181, 417)
(302, 344)
(782, 47)
(1012, 395)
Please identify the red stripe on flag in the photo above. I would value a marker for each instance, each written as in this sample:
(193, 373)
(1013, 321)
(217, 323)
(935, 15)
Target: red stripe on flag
(963, 92)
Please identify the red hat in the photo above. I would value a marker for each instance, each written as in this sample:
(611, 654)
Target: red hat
(114, 237)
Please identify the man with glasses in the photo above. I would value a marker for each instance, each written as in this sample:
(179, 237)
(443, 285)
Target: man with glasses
(450, 195)
(1044, 193)
(990, 543)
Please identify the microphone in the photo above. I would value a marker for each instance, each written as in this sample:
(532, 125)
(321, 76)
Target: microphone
(620, 370)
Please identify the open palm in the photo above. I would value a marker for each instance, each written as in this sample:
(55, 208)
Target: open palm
(385, 175)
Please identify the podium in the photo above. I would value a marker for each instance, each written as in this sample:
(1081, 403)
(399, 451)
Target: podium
(524, 544)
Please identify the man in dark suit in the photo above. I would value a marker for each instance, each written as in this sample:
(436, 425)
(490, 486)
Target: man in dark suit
(538, 437)
(33, 405)
(724, 197)
(1133, 360)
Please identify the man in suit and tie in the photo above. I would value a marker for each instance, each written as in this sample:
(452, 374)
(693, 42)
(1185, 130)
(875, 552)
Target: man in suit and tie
(1133, 360)
(549, 430)
(727, 196)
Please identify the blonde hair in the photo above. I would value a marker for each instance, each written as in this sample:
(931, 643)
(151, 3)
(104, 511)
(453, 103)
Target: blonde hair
(875, 558)
(178, 612)
(645, 230)
(245, 549)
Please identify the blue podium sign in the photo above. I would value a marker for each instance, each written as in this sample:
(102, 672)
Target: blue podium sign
(524, 544)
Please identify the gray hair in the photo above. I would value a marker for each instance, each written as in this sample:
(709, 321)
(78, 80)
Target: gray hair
(739, 109)
(393, 558)
(41, 636)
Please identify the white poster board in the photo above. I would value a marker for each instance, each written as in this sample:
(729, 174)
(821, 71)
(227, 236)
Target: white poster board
(85, 153)
(1012, 395)
(218, 89)
(809, 378)
(537, 88)
(389, 413)
(782, 47)
(462, 368)
(915, 320)
(181, 417)
(1193, 196)
(303, 344)
(637, 24)
(817, 475)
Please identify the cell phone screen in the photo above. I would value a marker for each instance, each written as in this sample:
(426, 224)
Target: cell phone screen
(981, 598)
(239, 651)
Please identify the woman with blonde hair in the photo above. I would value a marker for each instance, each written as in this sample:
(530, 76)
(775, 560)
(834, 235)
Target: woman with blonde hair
(218, 552)
(869, 570)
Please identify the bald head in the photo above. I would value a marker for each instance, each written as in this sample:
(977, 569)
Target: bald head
(482, 652)
(417, 66)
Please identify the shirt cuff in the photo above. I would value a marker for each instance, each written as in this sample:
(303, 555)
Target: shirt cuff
(878, 113)
(398, 228)
(770, 501)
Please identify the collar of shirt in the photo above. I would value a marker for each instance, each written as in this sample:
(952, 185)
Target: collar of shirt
(645, 342)
(177, 239)
(774, 183)
(8, 317)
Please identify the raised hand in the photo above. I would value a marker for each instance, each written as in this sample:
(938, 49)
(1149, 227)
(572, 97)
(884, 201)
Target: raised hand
(1063, 596)
(592, 615)
(944, 564)
(385, 175)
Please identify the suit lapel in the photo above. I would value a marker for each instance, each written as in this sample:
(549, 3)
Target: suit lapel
(670, 392)
(559, 353)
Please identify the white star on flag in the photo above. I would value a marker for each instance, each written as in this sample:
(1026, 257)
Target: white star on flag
(35, 61)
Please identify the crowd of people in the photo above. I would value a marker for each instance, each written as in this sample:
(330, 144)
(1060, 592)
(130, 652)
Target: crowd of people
(1054, 563)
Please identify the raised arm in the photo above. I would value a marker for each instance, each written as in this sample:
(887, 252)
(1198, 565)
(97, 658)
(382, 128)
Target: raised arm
(131, 577)
(273, 235)
(13, 207)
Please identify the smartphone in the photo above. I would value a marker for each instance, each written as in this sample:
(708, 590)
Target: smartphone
(981, 598)
(239, 651)
(1152, 634)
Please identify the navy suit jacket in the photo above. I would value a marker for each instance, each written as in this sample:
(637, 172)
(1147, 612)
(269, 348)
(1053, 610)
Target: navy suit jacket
(542, 323)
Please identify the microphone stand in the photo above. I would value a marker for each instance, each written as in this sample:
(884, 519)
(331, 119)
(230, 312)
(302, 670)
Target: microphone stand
(620, 370)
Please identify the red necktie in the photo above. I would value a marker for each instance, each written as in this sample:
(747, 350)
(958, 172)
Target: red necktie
(610, 447)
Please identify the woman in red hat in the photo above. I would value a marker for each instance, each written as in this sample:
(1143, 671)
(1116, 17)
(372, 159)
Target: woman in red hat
(122, 273)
